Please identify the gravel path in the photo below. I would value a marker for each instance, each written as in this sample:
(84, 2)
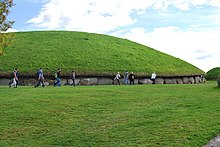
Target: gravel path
(214, 142)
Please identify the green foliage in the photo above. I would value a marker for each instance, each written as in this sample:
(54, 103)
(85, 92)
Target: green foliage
(150, 115)
(5, 24)
(213, 73)
(218, 81)
(88, 54)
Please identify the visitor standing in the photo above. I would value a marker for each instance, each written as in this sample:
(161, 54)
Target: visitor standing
(153, 77)
(15, 78)
(117, 77)
(126, 77)
(40, 77)
(73, 77)
(131, 78)
(58, 80)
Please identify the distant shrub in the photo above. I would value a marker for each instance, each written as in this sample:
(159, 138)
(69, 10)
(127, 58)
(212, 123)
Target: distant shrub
(213, 73)
(218, 81)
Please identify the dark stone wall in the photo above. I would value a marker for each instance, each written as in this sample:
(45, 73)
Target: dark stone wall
(29, 81)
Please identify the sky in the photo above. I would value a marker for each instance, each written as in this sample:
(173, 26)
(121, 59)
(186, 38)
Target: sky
(186, 29)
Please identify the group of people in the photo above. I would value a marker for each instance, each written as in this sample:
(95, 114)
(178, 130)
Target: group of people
(57, 78)
(40, 78)
(127, 77)
(130, 77)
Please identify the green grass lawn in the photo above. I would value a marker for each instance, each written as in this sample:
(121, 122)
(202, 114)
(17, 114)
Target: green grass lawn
(140, 115)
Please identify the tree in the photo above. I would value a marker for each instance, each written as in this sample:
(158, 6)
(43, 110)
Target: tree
(5, 24)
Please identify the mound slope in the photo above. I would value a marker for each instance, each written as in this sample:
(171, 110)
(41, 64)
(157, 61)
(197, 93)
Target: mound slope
(88, 54)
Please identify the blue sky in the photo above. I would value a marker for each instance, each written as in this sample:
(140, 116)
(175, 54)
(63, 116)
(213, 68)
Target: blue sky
(186, 29)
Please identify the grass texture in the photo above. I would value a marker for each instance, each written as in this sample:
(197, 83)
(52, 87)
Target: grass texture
(140, 115)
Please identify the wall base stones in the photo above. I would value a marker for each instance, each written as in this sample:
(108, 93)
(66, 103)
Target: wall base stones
(159, 81)
(145, 81)
(180, 81)
(89, 81)
(170, 81)
(4, 82)
(107, 81)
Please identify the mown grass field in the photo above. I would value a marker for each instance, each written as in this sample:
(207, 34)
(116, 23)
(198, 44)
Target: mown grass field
(140, 115)
(88, 54)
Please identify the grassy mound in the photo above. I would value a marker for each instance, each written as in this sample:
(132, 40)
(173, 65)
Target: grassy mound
(88, 54)
(213, 73)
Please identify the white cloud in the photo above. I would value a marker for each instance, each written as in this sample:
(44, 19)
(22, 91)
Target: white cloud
(198, 2)
(87, 15)
(199, 48)
(39, 1)
(214, 3)
(102, 16)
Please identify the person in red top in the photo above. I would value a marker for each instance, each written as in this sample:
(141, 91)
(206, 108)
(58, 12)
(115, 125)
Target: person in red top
(15, 78)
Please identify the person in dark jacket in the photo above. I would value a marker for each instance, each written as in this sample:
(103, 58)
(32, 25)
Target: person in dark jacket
(131, 78)
(58, 78)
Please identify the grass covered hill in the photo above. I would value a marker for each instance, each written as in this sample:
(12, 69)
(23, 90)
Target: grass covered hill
(88, 54)
(213, 73)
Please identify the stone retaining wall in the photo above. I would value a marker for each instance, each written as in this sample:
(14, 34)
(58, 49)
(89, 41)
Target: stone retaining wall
(107, 81)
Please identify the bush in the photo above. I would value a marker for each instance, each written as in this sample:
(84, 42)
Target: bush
(218, 81)
(213, 73)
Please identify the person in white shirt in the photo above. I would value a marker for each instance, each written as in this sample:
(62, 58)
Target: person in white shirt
(73, 77)
(117, 77)
(153, 77)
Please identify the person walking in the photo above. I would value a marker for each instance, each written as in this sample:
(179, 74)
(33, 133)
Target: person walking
(58, 79)
(131, 78)
(40, 78)
(126, 77)
(73, 77)
(153, 77)
(117, 77)
(15, 79)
